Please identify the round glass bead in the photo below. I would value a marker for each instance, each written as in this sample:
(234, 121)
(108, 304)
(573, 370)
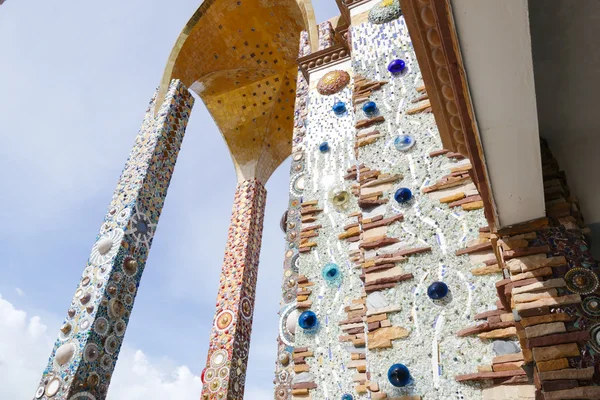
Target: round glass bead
(437, 290)
(347, 397)
(324, 147)
(403, 195)
(331, 273)
(404, 142)
(396, 66)
(308, 321)
(399, 375)
(339, 108)
(370, 108)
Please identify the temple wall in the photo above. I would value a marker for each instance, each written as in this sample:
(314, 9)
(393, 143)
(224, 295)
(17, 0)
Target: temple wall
(376, 312)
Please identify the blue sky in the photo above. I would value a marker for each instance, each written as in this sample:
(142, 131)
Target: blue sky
(75, 80)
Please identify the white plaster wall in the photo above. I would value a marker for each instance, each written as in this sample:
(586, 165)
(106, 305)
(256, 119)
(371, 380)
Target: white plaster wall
(496, 48)
(566, 60)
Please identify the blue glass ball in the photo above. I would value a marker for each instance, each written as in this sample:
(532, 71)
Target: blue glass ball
(331, 272)
(347, 397)
(308, 320)
(399, 375)
(324, 147)
(403, 195)
(437, 290)
(370, 108)
(396, 66)
(404, 142)
(339, 108)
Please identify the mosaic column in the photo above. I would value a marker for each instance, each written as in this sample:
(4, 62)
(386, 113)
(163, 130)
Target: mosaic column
(85, 353)
(225, 372)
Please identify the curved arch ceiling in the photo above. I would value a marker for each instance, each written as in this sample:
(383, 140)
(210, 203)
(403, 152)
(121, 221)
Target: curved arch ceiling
(240, 56)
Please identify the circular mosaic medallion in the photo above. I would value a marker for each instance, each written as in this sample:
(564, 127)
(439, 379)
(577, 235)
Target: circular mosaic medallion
(282, 392)
(595, 337)
(218, 359)
(246, 308)
(209, 374)
(224, 320)
(106, 362)
(53, 386)
(103, 271)
(295, 263)
(116, 309)
(111, 345)
(297, 184)
(101, 326)
(123, 215)
(339, 197)
(91, 352)
(285, 333)
(106, 247)
(107, 227)
(591, 306)
(120, 327)
(333, 82)
(386, 11)
(283, 222)
(214, 385)
(64, 354)
(223, 373)
(39, 392)
(581, 281)
(141, 228)
(130, 266)
(85, 323)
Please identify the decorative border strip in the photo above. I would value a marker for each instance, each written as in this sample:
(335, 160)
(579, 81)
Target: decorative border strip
(323, 58)
(435, 41)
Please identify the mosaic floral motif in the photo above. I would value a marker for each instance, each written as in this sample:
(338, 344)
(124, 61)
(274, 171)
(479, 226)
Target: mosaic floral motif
(333, 82)
(572, 245)
(227, 358)
(581, 280)
(386, 11)
(80, 366)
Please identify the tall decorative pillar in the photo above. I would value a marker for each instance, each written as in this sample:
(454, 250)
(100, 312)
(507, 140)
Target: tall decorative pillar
(85, 353)
(225, 371)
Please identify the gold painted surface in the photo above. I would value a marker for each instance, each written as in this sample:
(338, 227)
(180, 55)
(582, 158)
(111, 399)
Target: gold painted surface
(240, 58)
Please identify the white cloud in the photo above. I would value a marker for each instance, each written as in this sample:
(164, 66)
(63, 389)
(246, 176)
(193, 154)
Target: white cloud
(25, 344)
(20, 292)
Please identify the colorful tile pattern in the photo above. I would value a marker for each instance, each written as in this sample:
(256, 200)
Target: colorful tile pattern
(84, 355)
(285, 341)
(225, 372)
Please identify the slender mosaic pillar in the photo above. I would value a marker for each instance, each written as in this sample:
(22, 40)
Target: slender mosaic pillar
(88, 344)
(225, 372)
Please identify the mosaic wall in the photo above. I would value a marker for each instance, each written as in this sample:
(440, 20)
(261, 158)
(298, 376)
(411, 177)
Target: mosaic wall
(225, 372)
(381, 220)
(88, 344)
